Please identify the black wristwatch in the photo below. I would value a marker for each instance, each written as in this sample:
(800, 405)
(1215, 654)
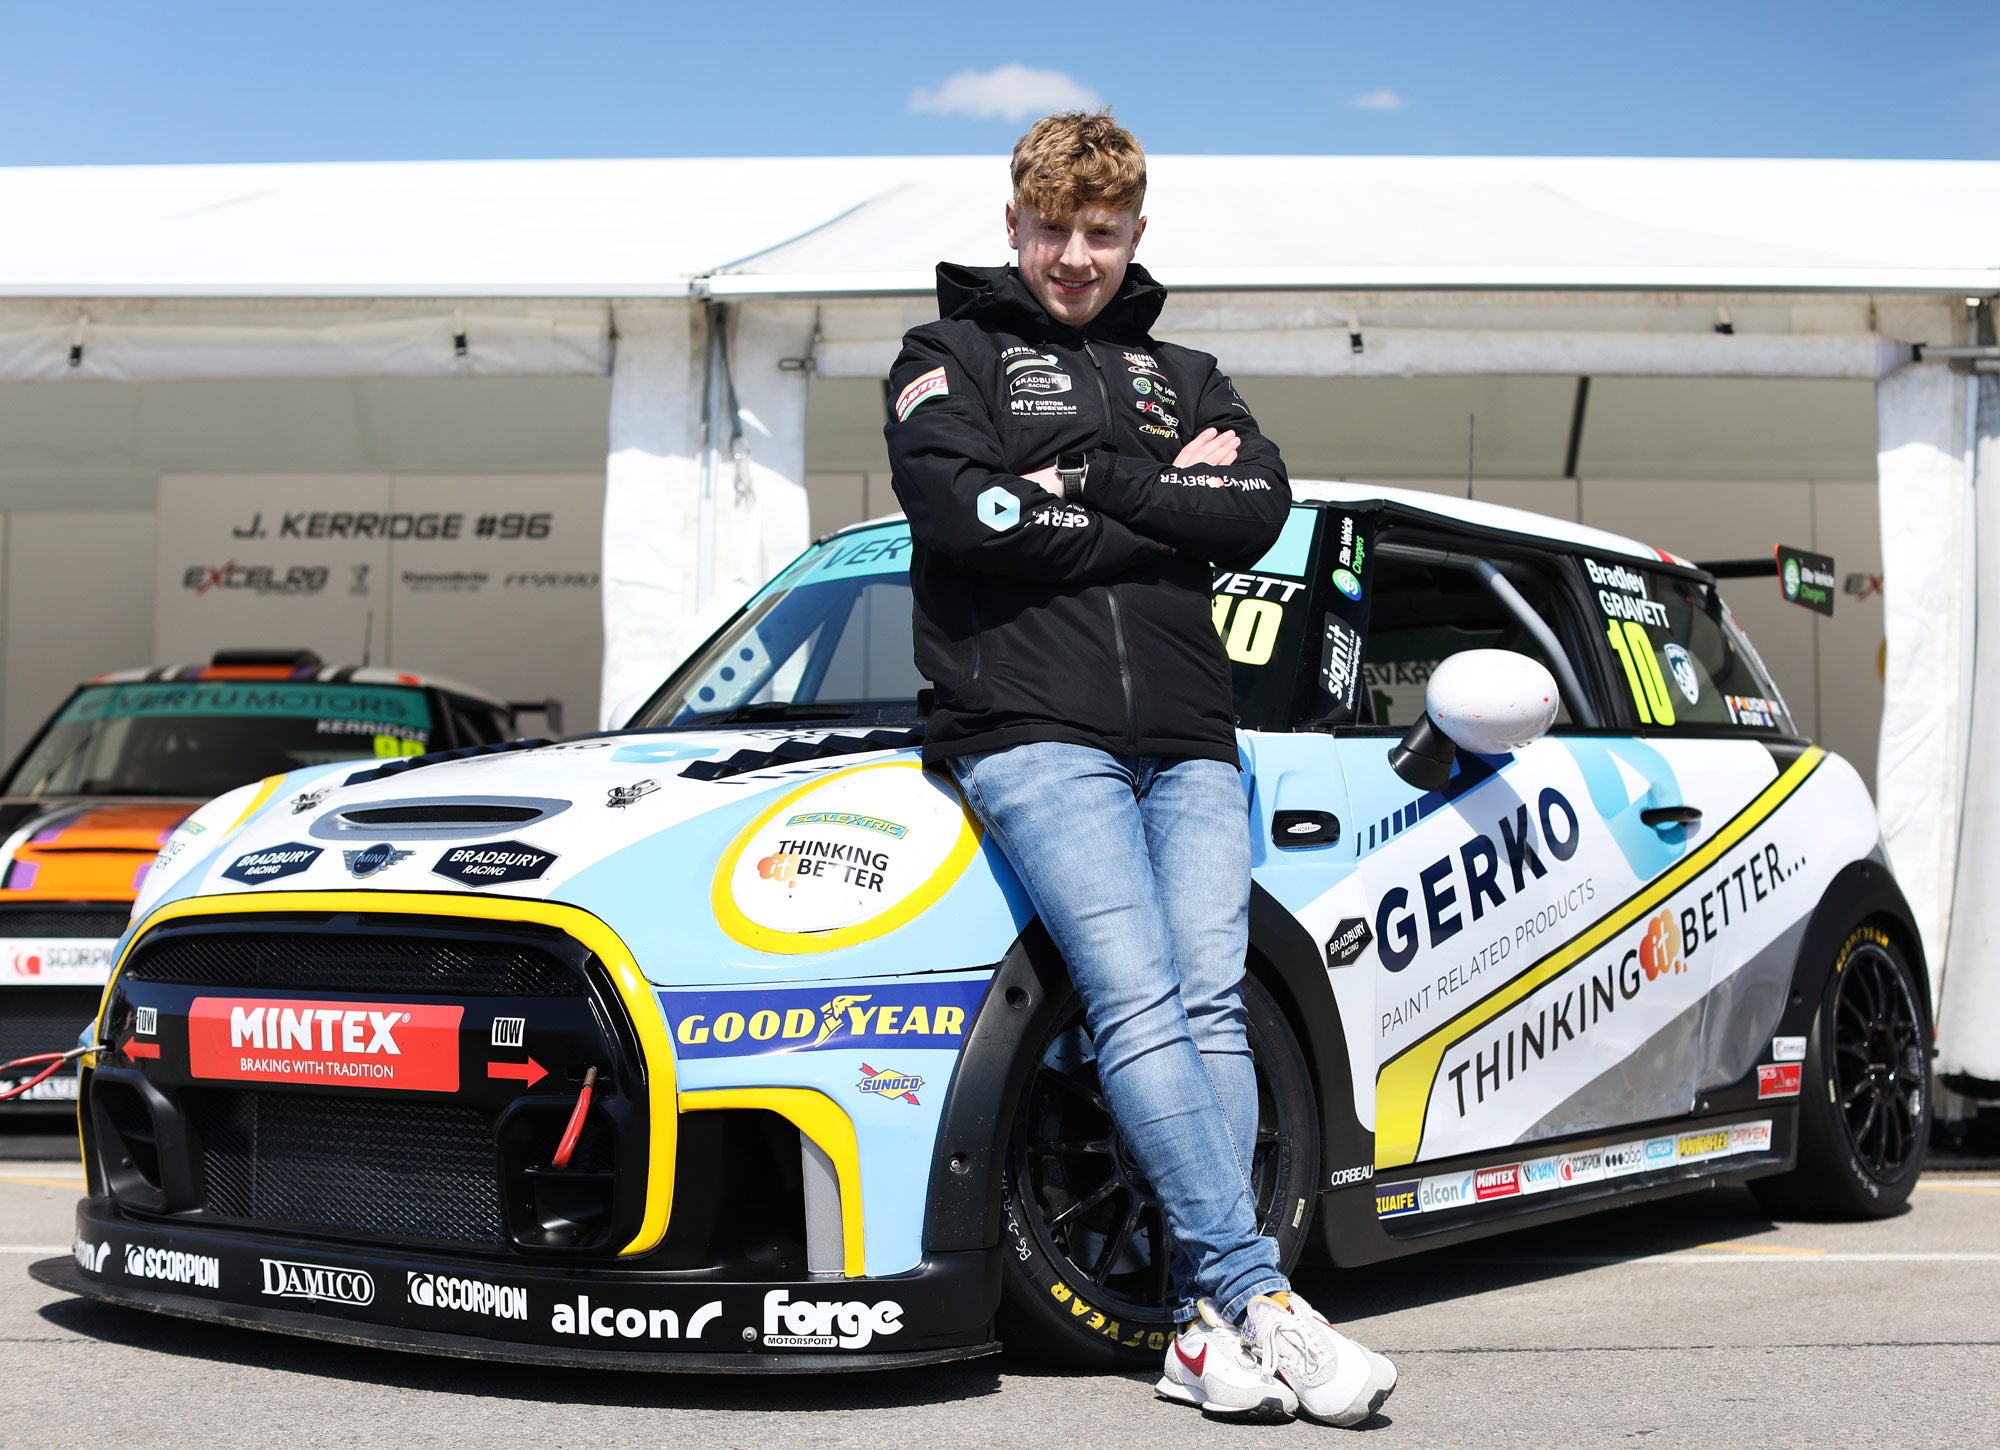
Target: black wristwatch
(1071, 470)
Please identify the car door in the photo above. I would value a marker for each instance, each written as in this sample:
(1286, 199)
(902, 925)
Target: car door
(1511, 1001)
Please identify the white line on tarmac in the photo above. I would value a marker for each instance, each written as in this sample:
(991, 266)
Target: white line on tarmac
(35, 1248)
(1795, 1256)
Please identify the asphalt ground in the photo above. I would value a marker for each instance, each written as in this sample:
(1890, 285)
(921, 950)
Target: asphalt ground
(1697, 1321)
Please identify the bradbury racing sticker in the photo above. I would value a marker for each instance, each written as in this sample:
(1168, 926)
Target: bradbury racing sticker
(272, 863)
(849, 857)
(405, 1045)
(494, 863)
(883, 1018)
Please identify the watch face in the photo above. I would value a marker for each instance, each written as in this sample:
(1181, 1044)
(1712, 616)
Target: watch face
(1073, 462)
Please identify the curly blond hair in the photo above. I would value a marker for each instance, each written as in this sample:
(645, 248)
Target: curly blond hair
(1075, 159)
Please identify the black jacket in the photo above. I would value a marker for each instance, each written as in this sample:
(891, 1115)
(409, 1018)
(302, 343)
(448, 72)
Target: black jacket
(1037, 620)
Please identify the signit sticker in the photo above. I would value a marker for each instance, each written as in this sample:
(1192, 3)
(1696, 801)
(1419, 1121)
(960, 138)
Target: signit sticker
(408, 1046)
(1779, 1079)
(735, 1023)
(271, 864)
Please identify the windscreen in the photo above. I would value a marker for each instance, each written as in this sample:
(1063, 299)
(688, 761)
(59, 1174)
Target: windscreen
(828, 639)
(201, 738)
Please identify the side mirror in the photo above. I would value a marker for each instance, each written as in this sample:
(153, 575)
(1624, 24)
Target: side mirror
(622, 712)
(1486, 701)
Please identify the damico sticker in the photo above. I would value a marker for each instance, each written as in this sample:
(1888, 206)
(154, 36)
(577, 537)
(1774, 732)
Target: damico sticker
(734, 1023)
(495, 863)
(272, 863)
(343, 1044)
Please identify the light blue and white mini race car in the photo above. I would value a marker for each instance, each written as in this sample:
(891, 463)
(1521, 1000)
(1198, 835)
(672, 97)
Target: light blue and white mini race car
(725, 1040)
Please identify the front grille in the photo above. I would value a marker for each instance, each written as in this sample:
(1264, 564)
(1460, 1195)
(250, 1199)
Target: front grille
(43, 1019)
(354, 962)
(398, 1170)
(98, 919)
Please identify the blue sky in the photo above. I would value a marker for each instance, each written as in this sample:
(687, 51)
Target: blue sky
(88, 82)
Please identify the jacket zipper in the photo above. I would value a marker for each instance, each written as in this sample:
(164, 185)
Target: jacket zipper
(1124, 669)
(1110, 589)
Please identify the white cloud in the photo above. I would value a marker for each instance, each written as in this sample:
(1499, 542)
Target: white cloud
(1382, 100)
(1007, 93)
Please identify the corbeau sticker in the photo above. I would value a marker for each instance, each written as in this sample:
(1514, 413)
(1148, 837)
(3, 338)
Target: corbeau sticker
(409, 1046)
(494, 864)
(924, 385)
(272, 863)
(812, 1019)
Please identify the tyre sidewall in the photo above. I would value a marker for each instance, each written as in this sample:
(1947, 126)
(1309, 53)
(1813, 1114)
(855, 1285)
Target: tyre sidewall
(1049, 1317)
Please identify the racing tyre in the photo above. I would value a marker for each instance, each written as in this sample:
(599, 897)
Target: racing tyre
(1865, 1101)
(1086, 1247)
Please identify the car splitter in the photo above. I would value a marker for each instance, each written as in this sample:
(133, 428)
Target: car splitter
(610, 1317)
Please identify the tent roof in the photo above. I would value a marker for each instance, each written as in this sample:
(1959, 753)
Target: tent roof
(861, 225)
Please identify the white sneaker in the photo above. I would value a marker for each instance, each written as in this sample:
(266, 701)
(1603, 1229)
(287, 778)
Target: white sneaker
(1210, 1364)
(1338, 1382)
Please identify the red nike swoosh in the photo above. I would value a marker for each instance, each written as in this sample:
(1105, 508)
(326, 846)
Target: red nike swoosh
(1194, 1366)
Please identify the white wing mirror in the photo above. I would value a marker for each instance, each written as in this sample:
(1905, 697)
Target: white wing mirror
(1486, 701)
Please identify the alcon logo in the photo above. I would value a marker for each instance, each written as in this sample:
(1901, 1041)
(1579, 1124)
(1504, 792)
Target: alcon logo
(604, 1322)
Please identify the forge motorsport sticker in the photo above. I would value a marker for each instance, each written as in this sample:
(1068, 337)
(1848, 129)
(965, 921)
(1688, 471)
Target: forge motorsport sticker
(272, 863)
(496, 863)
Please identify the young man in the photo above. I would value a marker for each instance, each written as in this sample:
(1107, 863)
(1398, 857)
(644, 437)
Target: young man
(1069, 482)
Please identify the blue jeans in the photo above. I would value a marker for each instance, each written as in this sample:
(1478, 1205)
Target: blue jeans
(1140, 869)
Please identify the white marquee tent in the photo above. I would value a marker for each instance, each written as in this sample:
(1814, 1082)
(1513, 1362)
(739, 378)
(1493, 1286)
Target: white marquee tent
(692, 282)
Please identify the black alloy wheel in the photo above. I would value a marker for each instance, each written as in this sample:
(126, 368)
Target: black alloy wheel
(1865, 1100)
(1088, 1251)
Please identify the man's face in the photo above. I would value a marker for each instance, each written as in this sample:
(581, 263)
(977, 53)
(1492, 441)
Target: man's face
(1074, 267)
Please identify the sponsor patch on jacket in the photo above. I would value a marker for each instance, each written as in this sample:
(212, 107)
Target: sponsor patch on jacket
(736, 1023)
(922, 386)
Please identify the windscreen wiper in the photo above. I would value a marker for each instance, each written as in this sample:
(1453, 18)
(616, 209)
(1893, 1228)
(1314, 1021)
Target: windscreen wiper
(774, 710)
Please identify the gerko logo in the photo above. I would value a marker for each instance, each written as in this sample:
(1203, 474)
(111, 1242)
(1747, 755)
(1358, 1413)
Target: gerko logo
(811, 1324)
(321, 1283)
(172, 1266)
(353, 1044)
(884, 1018)
(371, 859)
(272, 863)
(889, 1084)
(494, 864)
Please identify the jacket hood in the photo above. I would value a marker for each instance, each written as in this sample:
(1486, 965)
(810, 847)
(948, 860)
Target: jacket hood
(997, 294)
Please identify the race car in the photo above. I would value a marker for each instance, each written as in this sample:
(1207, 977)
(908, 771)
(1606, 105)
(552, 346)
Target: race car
(727, 1040)
(98, 793)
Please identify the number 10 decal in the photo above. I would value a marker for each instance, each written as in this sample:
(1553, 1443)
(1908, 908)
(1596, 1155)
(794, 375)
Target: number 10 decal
(1642, 672)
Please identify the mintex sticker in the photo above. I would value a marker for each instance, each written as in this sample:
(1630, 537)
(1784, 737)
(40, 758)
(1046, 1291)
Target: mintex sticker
(343, 1044)
(922, 386)
(1778, 1080)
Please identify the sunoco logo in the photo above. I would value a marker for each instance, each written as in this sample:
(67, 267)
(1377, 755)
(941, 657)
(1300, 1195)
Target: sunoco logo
(286, 1279)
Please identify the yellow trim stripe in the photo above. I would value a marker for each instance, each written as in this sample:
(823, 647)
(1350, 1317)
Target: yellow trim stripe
(821, 1119)
(794, 943)
(267, 788)
(633, 989)
(1404, 1084)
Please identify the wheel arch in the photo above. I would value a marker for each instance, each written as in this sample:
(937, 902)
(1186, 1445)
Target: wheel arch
(1860, 892)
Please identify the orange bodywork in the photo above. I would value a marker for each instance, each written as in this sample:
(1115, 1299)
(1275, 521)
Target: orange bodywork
(89, 853)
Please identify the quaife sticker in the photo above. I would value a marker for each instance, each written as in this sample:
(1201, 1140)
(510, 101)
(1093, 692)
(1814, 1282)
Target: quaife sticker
(925, 385)
(494, 863)
(408, 1046)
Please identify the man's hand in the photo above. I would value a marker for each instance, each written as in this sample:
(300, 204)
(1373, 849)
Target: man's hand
(1208, 446)
(1046, 477)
